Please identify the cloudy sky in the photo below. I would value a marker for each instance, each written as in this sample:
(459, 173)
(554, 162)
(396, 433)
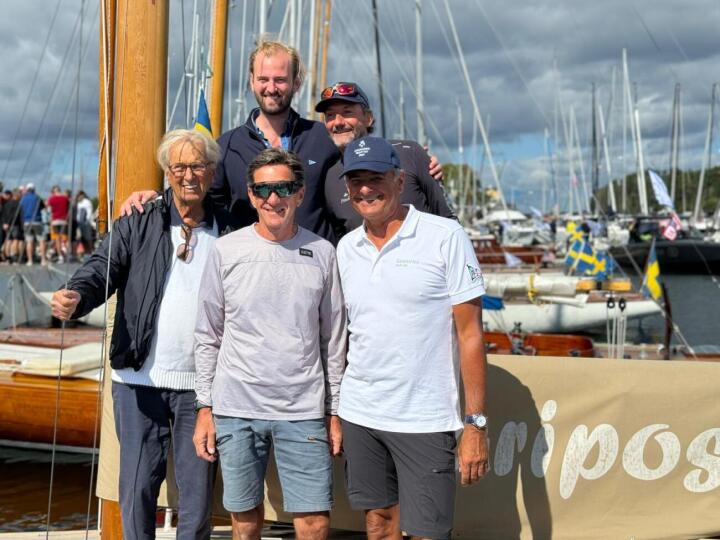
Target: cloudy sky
(509, 48)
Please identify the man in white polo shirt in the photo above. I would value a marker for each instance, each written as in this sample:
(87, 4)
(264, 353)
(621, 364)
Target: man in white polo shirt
(407, 277)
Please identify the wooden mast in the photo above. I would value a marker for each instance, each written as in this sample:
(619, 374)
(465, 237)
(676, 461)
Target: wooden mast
(315, 37)
(218, 34)
(326, 43)
(107, 63)
(139, 123)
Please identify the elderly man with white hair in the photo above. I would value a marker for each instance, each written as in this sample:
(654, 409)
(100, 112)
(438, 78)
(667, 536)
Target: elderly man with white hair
(155, 261)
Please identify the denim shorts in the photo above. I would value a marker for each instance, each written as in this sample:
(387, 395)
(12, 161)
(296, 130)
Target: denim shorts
(302, 455)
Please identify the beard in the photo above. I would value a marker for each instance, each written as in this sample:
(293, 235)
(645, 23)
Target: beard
(343, 138)
(274, 107)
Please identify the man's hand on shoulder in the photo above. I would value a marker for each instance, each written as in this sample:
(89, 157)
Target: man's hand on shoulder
(136, 200)
(204, 437)
(473, 455)
(435, 168)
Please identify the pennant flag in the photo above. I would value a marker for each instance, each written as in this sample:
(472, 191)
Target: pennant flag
(651, 282)
(581, 257)
(511, 260)
(660, 189)
(492, 302)
(202, 120)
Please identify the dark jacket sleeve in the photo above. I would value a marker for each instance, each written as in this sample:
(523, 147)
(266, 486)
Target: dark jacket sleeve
(436, 201)
(89, 280)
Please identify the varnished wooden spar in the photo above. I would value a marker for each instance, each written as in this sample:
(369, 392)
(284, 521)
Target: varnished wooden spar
(139, 94)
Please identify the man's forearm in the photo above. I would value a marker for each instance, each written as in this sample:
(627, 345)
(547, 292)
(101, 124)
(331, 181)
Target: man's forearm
(473, 370)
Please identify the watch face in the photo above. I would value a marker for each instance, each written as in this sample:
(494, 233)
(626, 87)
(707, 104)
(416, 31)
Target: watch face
(480, 421)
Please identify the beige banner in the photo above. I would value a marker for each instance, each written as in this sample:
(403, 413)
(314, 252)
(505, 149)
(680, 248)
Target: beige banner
(580, 449)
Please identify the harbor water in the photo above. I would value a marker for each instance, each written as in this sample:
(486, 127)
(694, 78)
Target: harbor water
(25, 474)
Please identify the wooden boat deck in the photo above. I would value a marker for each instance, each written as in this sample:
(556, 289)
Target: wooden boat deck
(51, 337)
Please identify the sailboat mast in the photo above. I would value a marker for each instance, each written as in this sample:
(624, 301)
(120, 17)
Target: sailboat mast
(706, 158)
(421, 134)
(105, 120)
(595, 178)
(217, 64)
(603, 136)
(625, 116)
(326, 43)
(141, 92)
(674, 143)
(476, 109)
(376, 25)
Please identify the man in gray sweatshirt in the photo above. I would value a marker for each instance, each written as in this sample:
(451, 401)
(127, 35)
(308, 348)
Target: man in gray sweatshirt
(270, 353)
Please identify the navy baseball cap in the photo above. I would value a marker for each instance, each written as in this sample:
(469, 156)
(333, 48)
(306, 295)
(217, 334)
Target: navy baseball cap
(342, 91)
(370, 154)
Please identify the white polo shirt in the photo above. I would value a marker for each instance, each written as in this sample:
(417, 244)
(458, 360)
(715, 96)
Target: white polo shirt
(402, 375)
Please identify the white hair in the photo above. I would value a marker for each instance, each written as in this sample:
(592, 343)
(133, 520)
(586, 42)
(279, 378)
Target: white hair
(199, 140)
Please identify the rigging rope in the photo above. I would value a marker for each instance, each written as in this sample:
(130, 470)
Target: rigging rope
(32, 87)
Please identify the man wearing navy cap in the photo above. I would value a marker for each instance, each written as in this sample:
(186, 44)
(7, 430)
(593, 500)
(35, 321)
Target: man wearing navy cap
(348, 116)
(408, 277)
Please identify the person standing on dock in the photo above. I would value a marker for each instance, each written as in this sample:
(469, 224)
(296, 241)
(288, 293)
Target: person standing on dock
(155, 262)
(348, 116)
(32, 206)
(408, 278)
(270, 354)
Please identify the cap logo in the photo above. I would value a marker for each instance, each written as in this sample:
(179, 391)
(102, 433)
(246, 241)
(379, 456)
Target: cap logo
(361, 150)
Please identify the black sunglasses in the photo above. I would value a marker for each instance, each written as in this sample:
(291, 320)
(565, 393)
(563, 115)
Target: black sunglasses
(282, 189)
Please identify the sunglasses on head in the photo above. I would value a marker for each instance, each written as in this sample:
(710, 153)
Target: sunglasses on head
(339, 89)
(282, 189)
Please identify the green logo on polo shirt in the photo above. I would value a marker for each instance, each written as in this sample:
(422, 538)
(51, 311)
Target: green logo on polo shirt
(475, 274)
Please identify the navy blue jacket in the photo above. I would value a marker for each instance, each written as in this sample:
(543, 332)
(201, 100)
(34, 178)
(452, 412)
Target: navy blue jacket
(140, 257)
(239, 146)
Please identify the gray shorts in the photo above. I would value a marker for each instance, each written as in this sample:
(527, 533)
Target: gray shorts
(33, 231)
(302, 456)
(416, 470)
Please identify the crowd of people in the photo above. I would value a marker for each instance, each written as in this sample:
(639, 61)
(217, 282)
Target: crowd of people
(36, 229)
(330, 305)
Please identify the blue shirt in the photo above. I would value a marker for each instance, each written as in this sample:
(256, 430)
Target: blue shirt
(285, 136)
(30, 206)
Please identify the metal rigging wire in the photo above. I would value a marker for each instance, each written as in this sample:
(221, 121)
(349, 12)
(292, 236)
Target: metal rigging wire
(32, 87)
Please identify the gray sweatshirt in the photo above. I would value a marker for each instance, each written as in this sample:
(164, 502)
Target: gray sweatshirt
(270, 335)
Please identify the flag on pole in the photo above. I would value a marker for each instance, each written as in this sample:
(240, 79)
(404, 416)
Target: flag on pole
(581, 257)
(660, 189)
(651, 282)
(671, 227)
(202, 120)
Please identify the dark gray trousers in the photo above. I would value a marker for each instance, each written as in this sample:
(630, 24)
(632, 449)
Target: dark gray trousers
(146, 421)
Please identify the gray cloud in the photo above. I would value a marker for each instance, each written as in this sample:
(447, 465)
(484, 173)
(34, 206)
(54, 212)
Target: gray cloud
(509, 47)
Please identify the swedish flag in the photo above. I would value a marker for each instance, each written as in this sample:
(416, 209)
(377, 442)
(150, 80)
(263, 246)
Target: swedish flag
(574, 232)
(604, 266)
(202, 121)
(581, 257)
(651, 282)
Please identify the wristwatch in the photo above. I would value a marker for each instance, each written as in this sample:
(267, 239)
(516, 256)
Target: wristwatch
(199, 405)
(478, 420)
